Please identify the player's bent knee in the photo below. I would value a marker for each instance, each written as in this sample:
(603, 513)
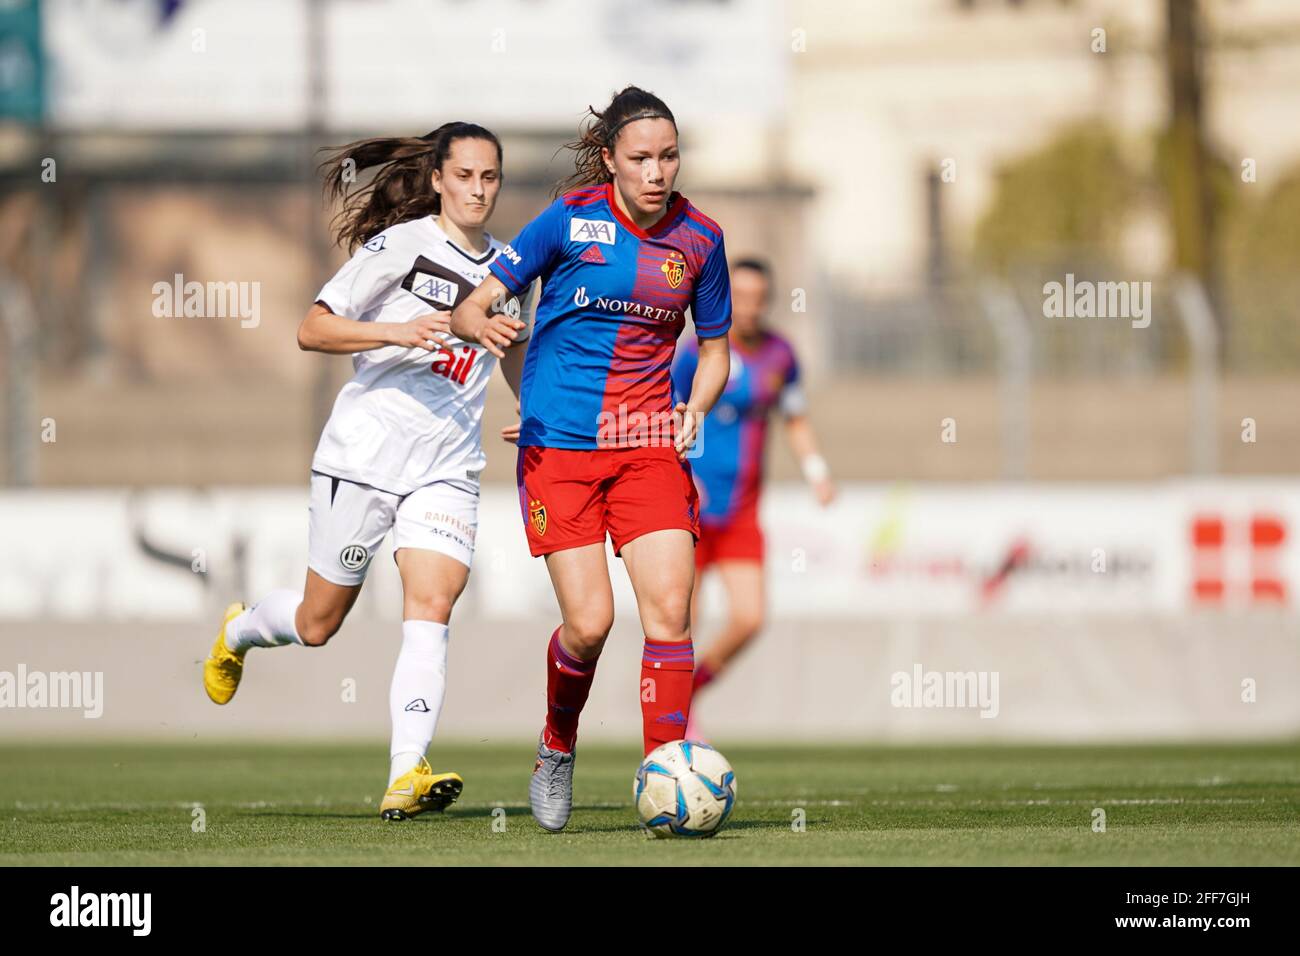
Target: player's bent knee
(586, 633)
(747, 622)
(317, 633)
(672, 614)
(428, 607)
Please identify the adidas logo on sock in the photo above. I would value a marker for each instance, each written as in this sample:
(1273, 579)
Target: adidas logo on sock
(676, 717)
(418, 705)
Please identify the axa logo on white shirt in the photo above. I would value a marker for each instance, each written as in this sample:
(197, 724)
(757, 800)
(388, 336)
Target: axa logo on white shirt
(624, 307)
(435, 289)
(102, 909)
(591, 230)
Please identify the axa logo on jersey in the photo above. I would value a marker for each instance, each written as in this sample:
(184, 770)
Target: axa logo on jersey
(592, 230)
(434, 289)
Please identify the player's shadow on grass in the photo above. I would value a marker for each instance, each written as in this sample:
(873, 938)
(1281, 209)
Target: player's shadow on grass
(458, 813)
(477, 814)
(359, 815)
(579, 827)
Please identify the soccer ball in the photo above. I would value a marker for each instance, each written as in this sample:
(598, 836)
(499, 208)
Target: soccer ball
(684, 788)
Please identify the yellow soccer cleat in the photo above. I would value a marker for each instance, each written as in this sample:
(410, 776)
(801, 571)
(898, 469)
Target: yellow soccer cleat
(419, 790)
(223, 668)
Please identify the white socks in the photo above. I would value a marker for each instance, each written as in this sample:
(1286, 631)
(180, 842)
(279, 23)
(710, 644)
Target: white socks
(415, 697)
(419, 678)
(268, 623)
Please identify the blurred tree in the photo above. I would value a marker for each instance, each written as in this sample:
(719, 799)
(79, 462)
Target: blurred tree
(1186, 173)
(1261, 243)
(1071, 194)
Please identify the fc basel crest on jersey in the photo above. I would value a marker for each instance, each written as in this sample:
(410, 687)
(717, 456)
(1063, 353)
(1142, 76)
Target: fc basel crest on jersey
(674, 268)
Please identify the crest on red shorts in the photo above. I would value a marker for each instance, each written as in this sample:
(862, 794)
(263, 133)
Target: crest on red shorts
(674, 268)
(537, 515)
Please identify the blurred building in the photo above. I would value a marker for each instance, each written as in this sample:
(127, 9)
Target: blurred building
(870, 149)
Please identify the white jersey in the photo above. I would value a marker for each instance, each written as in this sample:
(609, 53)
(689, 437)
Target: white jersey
(409, 417)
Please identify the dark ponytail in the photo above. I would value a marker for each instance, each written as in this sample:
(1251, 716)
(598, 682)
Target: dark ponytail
(400, 190)
(628, 105)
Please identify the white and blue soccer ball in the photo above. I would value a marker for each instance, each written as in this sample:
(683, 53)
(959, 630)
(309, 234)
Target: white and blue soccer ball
(684, 789)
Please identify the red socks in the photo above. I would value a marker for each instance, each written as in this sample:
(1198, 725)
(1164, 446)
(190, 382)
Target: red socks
(568, 681)
(704, 675)
(666, 673)
(665, 690)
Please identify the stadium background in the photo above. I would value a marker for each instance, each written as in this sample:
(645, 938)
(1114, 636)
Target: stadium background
(915, 171)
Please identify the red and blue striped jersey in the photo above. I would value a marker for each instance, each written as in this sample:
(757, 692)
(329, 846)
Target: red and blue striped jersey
(729, 468)
(614, 298)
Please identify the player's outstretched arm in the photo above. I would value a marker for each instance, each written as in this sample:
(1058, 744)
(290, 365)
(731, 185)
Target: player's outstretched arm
(323, 331)
(804, 443)
(476, 319)
(714, 365)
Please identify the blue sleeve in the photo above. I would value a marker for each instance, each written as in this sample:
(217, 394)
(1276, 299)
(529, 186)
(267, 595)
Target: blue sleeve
(711, 300)
(533, 252)
(684, 373)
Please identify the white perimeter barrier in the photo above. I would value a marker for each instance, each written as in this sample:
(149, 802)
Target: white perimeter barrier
(879, 551)
(974, 613)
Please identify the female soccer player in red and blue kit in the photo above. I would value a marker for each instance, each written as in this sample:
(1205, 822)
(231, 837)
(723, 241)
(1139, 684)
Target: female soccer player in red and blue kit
(764, 378)
(601, 444)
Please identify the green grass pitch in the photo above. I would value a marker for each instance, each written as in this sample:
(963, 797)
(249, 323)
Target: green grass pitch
(125, 804)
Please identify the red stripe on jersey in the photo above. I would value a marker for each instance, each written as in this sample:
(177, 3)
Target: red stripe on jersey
(696, 253)
(638, 388)
(584, 195)
(703, 220)
(506, 269)
(753, 436)
(652, 286)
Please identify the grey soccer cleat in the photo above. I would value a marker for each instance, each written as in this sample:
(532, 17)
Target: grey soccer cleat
(551, 790)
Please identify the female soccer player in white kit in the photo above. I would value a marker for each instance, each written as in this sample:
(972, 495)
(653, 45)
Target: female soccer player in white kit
(402, 449)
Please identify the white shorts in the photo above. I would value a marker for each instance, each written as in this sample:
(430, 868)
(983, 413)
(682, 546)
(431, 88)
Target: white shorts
(349, 520)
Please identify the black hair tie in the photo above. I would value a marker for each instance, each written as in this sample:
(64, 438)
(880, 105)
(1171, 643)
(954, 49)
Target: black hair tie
(644, 114)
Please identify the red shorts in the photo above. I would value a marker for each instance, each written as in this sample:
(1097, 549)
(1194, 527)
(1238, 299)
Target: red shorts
(573, 497)
(740, 539)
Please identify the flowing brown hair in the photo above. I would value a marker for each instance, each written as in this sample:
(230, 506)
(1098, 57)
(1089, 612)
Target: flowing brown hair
(401, 188)
(628, 105)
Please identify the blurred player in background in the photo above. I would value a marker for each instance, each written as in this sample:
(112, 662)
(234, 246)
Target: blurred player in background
(401, 450)
(601, 444)
(728, 471)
